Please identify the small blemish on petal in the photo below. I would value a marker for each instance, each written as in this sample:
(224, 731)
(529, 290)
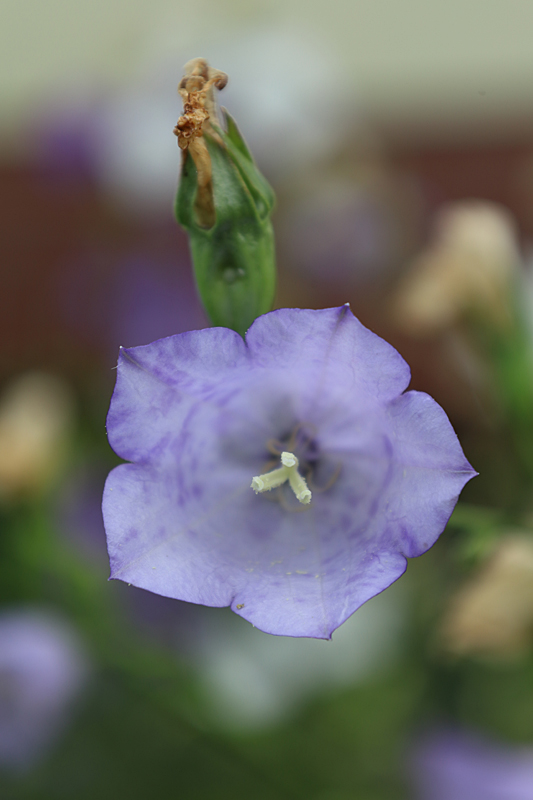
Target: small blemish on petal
(239, 606)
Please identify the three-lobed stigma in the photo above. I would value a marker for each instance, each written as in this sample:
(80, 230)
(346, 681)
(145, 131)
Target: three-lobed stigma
(287, 472)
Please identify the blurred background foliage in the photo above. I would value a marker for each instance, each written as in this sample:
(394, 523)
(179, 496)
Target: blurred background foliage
(399, 140)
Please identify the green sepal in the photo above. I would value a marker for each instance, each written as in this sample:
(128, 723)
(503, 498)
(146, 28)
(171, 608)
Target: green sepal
(234, 260)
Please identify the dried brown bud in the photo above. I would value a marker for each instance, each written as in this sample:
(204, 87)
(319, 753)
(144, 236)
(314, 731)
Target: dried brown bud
(35, 416)
(492, 614)
(469, 265)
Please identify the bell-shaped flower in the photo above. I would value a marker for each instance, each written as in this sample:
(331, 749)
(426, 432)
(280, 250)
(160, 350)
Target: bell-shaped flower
(287, 475)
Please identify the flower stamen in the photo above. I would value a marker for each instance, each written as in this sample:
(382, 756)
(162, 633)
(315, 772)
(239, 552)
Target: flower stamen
(287, 472)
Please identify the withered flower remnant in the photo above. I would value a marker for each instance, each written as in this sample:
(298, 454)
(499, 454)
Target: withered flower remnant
(36, 411)
(196, 90)
(492, 613)
(224, 204)
(469, 266)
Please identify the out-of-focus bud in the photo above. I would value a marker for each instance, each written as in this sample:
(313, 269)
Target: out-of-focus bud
(492, 614)
(224, 203)
(43, 668)
(35, 417)
(469, 266)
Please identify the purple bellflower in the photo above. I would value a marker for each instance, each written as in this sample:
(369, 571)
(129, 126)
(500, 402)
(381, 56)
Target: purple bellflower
(286, 475)
(460, 765)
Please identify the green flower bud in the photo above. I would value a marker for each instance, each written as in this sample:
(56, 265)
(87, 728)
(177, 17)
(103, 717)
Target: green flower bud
(224, 204)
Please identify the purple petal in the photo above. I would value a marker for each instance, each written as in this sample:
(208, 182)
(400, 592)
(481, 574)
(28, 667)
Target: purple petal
(334, 344)
(292, 573)
(160, 384)
(432, 472)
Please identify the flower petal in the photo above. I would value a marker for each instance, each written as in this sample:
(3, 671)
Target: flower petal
(331, 343)
(298, 572)
(432, 472)
(159, 385)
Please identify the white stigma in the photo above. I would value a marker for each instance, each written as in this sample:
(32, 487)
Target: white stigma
(287, 472)
(289, 459)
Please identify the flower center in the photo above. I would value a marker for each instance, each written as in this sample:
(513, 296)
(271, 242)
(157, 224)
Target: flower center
(287, 472)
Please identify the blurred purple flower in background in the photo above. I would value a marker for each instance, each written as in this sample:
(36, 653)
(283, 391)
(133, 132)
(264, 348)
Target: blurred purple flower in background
(43, 669)
(67, 145)
(200, 414)
(129, 300)
(348, 227)
(455, 765)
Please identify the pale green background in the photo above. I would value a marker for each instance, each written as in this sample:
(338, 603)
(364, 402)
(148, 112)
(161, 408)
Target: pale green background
(445, 68)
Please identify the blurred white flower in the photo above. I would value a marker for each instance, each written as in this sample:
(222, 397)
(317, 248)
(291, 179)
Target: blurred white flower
(136, 155)
(253, 680)
(285, 89)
